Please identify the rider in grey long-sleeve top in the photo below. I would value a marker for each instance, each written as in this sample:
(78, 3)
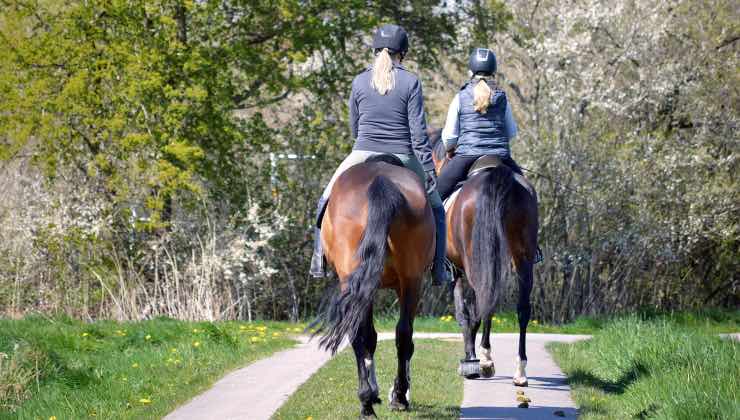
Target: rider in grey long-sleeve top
(387, 116)
(390, 123)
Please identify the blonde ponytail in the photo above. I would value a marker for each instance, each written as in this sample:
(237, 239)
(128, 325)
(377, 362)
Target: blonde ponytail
(482, 96)
(383, 76)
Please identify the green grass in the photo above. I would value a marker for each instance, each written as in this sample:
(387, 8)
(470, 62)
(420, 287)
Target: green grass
(331, 393)
(713, 321)
(73, 370)
(656, 368)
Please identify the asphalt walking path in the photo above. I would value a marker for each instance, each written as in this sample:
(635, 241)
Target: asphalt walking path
(256, 391)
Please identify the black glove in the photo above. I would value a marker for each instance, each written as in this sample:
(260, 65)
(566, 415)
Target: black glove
(431, 181)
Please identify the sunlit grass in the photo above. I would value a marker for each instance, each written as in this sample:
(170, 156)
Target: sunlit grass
(653, 369)
(73, 370)
(331, 393)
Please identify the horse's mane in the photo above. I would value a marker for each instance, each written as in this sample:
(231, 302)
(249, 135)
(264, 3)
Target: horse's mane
(435, 140)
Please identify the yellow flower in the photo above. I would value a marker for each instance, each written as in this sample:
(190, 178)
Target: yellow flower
(255, 339)
(53, 418)
(148, 337)
(242, 327)
(85, 334)
(276, 334)
(309, 418)
(135, 365)
(145, 401)
(534, 321)
(124, 379)
(173, 350)
(196, 344)
(195, 330)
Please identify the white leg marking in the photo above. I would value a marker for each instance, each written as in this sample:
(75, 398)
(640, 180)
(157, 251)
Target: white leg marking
(408, 379)
(520, 372)
(486, 359)
(372, 379)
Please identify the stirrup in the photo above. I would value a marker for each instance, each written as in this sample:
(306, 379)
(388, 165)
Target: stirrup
(317, 267)
(538, 256)
(447, 273)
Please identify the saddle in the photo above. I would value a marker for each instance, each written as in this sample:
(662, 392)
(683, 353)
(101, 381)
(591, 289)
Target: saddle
(485, 162)
(481, 164)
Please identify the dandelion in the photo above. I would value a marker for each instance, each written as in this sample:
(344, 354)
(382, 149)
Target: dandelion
(196, 331)
(535, 322)
(242, 327)
(196, 344)
(85, 334)
(276, 334)
(145, 401)
(309, 418)
(135, 365)
(53, 418)
(255, 339)
(148, 337)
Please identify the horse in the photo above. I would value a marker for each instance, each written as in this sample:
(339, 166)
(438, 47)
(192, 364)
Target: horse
(378, 232)
(491, 226)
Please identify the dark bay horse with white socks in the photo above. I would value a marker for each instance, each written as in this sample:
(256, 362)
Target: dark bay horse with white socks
(378, 232)
(492, 226)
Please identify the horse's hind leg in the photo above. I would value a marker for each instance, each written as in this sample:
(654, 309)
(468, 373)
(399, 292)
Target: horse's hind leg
(465, 320)
(400, 394)
(361, 344)
(487, 368)
(371, 342)
(523, 311)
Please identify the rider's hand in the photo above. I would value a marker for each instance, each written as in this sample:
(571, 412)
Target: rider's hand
(431, 181)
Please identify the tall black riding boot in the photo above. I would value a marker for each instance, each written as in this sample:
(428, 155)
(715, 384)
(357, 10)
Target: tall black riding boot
(317, 258)
(439, 270)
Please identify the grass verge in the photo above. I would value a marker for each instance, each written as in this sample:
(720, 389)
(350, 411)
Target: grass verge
(635, 368)
(714, 321)
(331, 393)
(65, 369)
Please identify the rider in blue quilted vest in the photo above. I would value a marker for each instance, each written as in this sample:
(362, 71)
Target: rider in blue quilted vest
(479, 122)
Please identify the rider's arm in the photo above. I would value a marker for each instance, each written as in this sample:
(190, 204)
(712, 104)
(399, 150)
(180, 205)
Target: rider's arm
(354, 114)
(418, 127)
(509, 123)
(452, 125)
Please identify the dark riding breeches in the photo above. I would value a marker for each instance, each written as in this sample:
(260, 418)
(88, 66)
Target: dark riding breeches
(457, 169)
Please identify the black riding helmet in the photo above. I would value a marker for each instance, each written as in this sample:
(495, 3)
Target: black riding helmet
(482, 61)
(392, 37)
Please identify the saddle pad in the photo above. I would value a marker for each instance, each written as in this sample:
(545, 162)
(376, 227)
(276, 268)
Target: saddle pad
(451, 199)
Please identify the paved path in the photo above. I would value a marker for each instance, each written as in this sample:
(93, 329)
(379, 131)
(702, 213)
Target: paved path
(258, 390)
(495, 398)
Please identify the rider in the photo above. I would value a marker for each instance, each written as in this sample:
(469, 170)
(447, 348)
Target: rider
(479, 122)
(386, 114)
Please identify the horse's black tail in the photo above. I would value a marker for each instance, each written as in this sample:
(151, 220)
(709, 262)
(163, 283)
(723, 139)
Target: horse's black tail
(347, 309)
(491, 256)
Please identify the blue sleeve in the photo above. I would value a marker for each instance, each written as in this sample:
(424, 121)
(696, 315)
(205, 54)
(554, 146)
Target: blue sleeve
(354, 114)
(451, 131)
(418, 127)
(510, 124)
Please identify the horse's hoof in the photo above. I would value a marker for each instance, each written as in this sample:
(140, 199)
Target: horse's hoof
(522, 383)
(487, 371)
(396, 405)
(368, 413)
(470, 369)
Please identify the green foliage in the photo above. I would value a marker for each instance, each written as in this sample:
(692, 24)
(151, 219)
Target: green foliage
(652, 369)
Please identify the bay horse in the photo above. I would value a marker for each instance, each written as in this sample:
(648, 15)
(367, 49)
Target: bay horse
(378, 232)
(492, 226)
